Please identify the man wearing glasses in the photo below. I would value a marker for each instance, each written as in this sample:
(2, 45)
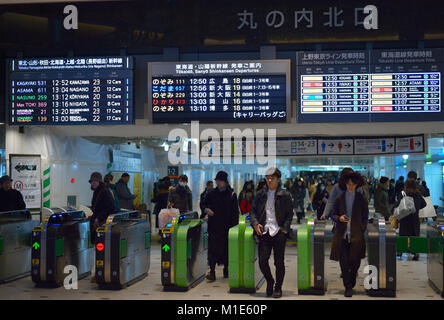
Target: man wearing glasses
(271, 214)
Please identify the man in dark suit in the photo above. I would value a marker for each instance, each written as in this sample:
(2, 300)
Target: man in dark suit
(10, 199)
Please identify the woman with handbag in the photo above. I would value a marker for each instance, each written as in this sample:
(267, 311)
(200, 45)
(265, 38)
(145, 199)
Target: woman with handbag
(409, 225)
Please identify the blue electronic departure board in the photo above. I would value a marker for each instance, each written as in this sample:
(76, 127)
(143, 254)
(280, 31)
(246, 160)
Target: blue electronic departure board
(370, 86)
(70, 91)
(219, 91)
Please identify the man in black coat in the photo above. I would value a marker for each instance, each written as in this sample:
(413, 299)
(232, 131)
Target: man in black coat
(221, 211)
(10, 199)
(102, 204)
(270, 215)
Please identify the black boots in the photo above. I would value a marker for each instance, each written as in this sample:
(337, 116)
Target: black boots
(211, 276)
(270, 285)
(277, 292)
(225, 272)
(348, 292)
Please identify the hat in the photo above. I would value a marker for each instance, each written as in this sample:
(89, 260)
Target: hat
(273, 172)
(5, 178)
(222, 175)
(95, 176)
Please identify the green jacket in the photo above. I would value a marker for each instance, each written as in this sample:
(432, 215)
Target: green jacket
(382, 200)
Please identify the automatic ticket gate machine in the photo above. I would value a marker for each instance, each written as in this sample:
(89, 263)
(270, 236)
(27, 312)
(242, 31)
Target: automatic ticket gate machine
(381, 251)
(244, 275)
(311, 258)
(15, 244)
(435, 270)
(184, 246)
(122, 250)
(63, 239)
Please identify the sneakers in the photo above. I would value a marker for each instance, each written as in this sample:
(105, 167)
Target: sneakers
(225, 272)
(348, 292)
(270, 288)
(277, 292)
(415, 257)
(211, 276)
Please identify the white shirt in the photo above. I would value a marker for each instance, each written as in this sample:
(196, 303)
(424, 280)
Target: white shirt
(271, 225)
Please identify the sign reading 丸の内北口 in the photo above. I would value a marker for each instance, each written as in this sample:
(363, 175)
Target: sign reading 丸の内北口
(68, 91)
(25, 171)
(370, 86)
(219, 91)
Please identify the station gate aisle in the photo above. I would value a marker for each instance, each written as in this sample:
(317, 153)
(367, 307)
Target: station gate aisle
(411, 284)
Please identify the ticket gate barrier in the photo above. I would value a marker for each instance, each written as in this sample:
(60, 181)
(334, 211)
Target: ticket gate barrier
(411, 244)
(435, 270)
(123, 248)
(311, 258)
(381, 251)
(244, 275)
(61, 240)
(15, 244)
(184, 246)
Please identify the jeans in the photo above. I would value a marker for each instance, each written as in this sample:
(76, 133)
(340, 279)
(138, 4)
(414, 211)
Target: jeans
(266, 244)
(349, 267)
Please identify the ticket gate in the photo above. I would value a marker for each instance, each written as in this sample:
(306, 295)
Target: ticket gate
(122, 250)
(184, 247)
(381, 252)
(15, 244)
(311, 258)
(243, 267)
(61, 240)
(435, 270)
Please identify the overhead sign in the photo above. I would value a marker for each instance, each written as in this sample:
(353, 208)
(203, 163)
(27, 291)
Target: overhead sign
(67, 91)
(374, 145)
(319, 146)
(370, 86)
(25, 171)
(410, 144)
(219, 91)
(335, 146)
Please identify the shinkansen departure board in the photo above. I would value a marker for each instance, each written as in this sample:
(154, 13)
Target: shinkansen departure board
(71, 91)
(366, 86)
(219, 91)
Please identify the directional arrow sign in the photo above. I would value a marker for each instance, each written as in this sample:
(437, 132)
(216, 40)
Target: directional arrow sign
(20, 167)
(166, 247)
(35, 245)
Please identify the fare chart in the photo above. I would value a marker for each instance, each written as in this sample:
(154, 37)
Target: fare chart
(71, 91)
(370, 86)
(219, 91)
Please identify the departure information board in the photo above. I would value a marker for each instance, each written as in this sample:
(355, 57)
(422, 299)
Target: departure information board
(71, 91)
(219, 91)
(366, 86)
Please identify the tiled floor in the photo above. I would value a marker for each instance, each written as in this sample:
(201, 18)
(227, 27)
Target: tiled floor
(412, 284)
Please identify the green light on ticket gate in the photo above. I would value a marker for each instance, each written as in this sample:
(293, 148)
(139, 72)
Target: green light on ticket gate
(35, 245)
(166, 248)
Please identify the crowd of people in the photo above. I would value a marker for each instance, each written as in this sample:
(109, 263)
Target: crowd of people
(271, 205)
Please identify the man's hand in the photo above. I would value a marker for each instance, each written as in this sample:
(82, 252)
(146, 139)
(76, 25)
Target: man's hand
(96, 223)
(170, 205)
(343, 218)
(258, 228)
(283, 230)
(205, 218)
(210, 212)
(323, 217)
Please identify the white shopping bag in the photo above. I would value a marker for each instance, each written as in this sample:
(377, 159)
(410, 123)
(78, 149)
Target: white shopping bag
(166, 216)
(429, 210)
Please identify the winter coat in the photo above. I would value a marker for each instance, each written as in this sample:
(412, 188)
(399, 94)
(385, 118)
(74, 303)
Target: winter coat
(112, 188)
(11, 200)
(283, 208)
(382, 200)
(125, 196)
(409, 226)
(245, 206)
(359, 220)
(226, 215)
(181, 198)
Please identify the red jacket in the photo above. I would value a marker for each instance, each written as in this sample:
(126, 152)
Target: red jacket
(245, 206)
